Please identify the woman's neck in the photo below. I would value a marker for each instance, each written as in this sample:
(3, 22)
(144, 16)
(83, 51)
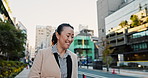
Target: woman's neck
(61, 50)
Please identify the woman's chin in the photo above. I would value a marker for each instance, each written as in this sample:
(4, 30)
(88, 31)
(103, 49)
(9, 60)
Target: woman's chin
(66, 47)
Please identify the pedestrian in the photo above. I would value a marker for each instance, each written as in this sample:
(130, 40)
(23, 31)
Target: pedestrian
(57, 61)
(30, 64)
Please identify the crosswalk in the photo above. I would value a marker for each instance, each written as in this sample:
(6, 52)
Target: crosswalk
(92, 75)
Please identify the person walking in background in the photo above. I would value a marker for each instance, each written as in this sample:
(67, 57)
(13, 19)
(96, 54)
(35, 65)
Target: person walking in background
(30, 64)
(57, 61)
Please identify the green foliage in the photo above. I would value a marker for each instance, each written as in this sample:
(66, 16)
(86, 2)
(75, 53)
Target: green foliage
(107, 59)
(123, 24)
(10, 68)
(7, 3)
(146, 20)
(135, 20)
(1, 20)
(12, 41)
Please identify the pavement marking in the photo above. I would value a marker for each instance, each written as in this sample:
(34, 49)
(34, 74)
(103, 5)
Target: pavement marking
(92, 75)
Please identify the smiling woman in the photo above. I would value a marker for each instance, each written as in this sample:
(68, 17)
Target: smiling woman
(57, 61)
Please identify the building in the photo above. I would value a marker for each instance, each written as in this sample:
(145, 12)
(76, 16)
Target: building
(23, 29)
(5, 16)
(130, 39)
(104, 9)
(43, 36)
(111, 13)
(5, 12)
(32, 53)
(81, 27)
(84, 45)
(124, 13)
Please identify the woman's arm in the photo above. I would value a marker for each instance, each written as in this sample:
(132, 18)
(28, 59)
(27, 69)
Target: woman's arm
(76, 67)
(35, 71)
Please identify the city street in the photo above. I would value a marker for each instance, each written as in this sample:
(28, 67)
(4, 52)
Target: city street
(103, 38)
(122, 73)
(90, 73)
(100, 74)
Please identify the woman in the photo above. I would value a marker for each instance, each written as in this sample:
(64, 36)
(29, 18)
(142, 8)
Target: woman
(57, 61)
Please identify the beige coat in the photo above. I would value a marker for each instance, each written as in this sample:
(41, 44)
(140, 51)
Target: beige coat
(45, 65)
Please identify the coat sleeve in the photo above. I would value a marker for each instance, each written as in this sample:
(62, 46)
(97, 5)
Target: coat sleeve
(76, 67)
(35, 71)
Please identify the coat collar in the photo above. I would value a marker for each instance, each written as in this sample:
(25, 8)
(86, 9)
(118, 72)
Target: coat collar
(55, 50)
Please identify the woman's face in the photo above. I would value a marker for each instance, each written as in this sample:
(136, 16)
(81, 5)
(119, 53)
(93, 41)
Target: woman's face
(66, 37)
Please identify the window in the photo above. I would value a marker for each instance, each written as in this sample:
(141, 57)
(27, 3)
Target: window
(79, 42)
(140, 34)
(140, 46)
(146, 32)
(102, 30)
(86, 42)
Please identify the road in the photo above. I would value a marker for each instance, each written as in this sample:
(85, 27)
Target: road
(90, 73)
(99, 74)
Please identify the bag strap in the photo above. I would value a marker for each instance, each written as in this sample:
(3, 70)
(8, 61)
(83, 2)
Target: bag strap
(69, 66)
(56, 57)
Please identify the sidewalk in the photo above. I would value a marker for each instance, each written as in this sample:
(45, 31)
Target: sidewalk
(23, 74)
(140, 74)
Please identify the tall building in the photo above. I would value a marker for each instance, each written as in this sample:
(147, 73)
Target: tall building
(104, 9)
(43, 36)
(127, 36)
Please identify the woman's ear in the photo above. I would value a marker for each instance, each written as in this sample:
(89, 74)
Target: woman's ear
(57, 35)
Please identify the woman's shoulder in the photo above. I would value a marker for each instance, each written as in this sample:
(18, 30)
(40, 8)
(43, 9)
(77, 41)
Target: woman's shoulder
(45, 50)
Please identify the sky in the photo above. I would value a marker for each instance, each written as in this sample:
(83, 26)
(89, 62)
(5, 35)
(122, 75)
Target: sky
(54, 12)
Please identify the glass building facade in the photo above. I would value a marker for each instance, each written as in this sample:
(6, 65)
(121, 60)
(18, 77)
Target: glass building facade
(137, 37)
(139, 34)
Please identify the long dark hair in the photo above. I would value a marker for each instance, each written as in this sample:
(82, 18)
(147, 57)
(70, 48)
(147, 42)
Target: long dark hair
(59, 30)
(54, 39)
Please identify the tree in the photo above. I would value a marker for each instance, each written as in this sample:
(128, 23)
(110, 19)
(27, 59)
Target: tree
(107, 59)
(12, 41)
